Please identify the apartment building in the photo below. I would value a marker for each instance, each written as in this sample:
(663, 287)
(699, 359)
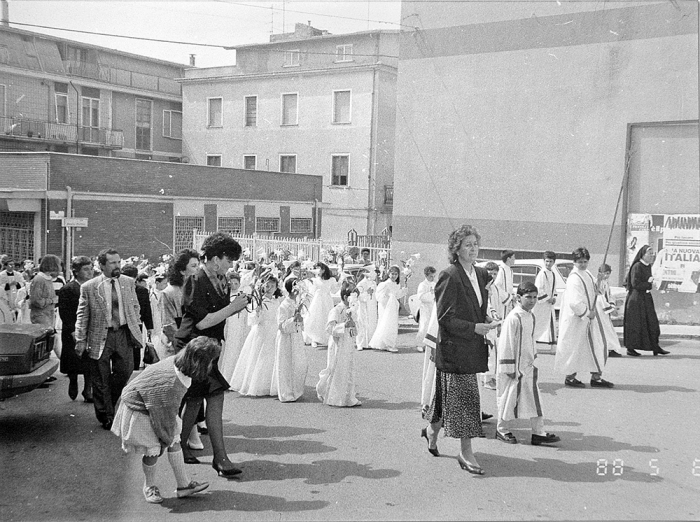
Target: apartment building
(306, 102)
(65, 96)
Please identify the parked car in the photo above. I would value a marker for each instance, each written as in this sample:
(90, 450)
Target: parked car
(527, 270)
(25, 358)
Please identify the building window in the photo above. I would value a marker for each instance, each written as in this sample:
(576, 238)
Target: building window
(251, 111)
(288, 163)
(339, 170)
(300, 225)
(250, 162)
(172, 124)
(143, 124)
(214, 160)
(230, 225)
(267, 224)
(91, 113)
(61, 100)
(341, 106)
(215, 116)
(343, 53)
(184, 227)
(291, 58)
(290, 113)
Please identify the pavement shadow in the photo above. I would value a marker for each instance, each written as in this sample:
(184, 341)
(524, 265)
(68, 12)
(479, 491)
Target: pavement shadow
(380, 404)
(550, 388)
(652, 388)
(318, 472)
(260, 446)
(499, 466)
(236, 501)
(578, 441)
(258, 431)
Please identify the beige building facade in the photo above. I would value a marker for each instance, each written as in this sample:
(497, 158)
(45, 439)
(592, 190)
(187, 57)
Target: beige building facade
(530, 119)
(309, 103)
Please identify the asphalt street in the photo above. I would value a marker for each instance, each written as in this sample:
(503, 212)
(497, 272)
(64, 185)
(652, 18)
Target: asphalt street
(628, 453)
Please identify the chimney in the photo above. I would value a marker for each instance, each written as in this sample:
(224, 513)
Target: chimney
(192, 60)
(5, 13)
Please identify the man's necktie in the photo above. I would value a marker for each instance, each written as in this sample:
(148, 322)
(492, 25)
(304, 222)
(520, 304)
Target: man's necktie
(116, 322)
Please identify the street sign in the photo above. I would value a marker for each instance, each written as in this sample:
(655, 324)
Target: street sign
(75, 222)
(59, 214)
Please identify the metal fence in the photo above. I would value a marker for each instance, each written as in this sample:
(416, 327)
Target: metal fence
(326, 250)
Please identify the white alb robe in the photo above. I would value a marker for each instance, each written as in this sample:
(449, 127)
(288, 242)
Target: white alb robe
(366, 312)
(546, 330)
(337, 382)
(517, 398)
(387, 332)
(291, 364)
(581, 346)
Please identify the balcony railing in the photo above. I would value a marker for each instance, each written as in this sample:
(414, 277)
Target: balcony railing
(388, 194)
(122, 77)
(23, 128)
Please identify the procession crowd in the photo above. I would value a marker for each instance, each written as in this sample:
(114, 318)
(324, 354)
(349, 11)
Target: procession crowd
(200, 324)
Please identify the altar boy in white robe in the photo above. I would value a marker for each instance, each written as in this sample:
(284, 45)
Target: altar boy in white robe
(504, 280)
(518, 394)
(546, 283)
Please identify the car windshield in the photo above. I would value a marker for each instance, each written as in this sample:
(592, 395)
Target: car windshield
(565, 269)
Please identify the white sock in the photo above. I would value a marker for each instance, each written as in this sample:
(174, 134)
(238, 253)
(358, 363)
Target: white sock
(150, 473)
(177, 462)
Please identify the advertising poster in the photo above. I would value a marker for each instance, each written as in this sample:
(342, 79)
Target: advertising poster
(676, 240)
(677, 264)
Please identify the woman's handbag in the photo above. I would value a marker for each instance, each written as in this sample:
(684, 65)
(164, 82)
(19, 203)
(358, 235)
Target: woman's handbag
(150, 356)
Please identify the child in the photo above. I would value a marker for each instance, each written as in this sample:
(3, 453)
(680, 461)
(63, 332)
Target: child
(426, 296)
(336, 385)
(253, 372)
(291, 365)
(546, 281)
(323, 285)
(236, 330)
(605, 309)
(496, 311)
(367, 307)
(388, 294)
(518, 392)
(581, 346)
(504, 280)
(147, 417)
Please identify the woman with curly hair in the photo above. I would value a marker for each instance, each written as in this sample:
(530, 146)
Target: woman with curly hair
(461, 351)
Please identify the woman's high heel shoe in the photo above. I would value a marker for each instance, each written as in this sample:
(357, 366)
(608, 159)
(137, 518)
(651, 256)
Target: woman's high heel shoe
(474, 470)
(433, 451)
(226, 472)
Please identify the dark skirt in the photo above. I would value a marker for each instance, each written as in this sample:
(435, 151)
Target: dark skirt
(641, 325)
(71, 362)
(214, 385)
(457, 404)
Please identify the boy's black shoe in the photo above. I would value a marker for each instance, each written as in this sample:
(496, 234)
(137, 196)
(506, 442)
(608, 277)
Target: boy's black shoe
(601, 383)
(574, 383)
(548, 438)
(613, 353)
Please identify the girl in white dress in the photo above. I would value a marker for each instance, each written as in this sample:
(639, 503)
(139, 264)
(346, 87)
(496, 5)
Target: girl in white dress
(388, 294)
(291, 364)
(367, 307)
(323, 285)
(426, 296)
(236, 331)
(336, 385)
(253, 372)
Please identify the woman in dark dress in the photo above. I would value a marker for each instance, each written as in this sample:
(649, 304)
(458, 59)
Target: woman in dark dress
(461, 352)
(68, 297)
(206, 305)
(641, 330)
